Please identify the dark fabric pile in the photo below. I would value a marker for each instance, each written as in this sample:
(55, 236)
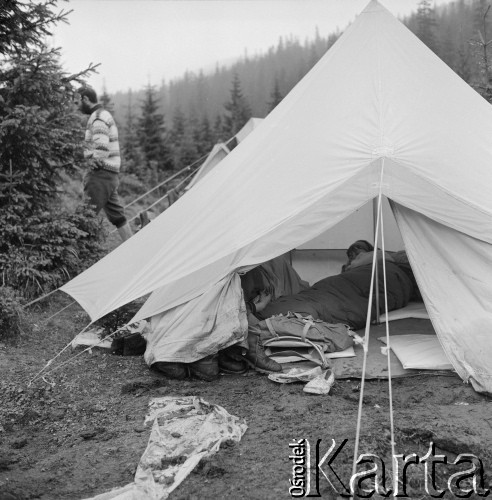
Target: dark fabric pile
(254, 282)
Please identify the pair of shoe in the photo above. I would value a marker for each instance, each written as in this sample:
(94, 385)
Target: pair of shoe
(321, 384)
(176, 371)
(206, 369)
(257, 358)
(231, 360)
(296, 375)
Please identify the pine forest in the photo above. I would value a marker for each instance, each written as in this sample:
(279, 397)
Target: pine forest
(199, 110)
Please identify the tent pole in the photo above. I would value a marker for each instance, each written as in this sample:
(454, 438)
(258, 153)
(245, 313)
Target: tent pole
(376, 277)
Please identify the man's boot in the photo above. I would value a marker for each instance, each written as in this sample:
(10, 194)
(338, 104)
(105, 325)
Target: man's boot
(232, 361)
(206, 368)
(125, 232)
(177, 371)
(256, 357)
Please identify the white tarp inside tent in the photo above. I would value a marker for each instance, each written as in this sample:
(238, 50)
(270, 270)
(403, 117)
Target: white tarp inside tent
(380, 112)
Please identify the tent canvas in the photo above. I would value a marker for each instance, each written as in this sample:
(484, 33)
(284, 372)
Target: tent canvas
(325, 254)
(221, 150)
(379, 114)
(218, 153)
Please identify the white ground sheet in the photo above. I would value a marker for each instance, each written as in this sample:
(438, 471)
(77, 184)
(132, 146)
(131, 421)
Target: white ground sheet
(420, 352)
(412, 310)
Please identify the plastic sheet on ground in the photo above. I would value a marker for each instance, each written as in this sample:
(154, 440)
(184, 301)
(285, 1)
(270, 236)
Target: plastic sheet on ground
(184, 430)
(96, 336)
(91, 338)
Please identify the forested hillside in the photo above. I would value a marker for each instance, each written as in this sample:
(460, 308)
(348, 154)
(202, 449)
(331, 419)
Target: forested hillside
(204, 95)
(198, 110)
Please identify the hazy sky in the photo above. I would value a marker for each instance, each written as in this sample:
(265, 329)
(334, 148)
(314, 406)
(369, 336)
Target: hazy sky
(142, 41)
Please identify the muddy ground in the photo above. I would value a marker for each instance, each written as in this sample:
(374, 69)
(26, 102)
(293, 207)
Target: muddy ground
(80, 431)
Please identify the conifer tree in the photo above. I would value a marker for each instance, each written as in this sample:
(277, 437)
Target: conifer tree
(426, 25)
(42, 242)
(218, 131)
(205, 137)
(275, 96)
(130, 145)
(152, 135)
(191, 151)
(237, 109)
(178, 130)
(105, 100)
(481, 44)
(184, 150)
(187, 152)
(462, 64)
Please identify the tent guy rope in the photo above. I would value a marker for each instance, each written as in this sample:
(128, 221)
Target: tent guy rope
(388, 356)
(53, 359)
(163, 197)
(165, 181)
(39, 298)
(46, 295)
(379, 220)
(365, 350)
(71, 359)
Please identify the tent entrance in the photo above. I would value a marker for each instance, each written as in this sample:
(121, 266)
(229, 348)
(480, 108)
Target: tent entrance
(324, 255)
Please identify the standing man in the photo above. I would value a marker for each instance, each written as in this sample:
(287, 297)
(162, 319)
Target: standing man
(102, 149)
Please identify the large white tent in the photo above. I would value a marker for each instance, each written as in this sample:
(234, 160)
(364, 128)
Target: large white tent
(325, 254)
(379, 113)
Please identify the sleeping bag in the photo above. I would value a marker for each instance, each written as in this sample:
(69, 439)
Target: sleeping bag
(343, 298)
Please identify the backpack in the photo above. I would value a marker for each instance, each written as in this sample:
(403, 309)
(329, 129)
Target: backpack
(331, 336)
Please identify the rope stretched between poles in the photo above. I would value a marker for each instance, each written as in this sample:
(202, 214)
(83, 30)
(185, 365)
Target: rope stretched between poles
(161, 199)
(188, 167)
(176, 187)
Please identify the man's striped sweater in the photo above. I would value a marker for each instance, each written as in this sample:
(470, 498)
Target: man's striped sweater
(101, 138)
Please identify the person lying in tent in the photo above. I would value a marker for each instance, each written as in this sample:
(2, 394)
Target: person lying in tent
(355, 250)
(360, 253)
(344, 298)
